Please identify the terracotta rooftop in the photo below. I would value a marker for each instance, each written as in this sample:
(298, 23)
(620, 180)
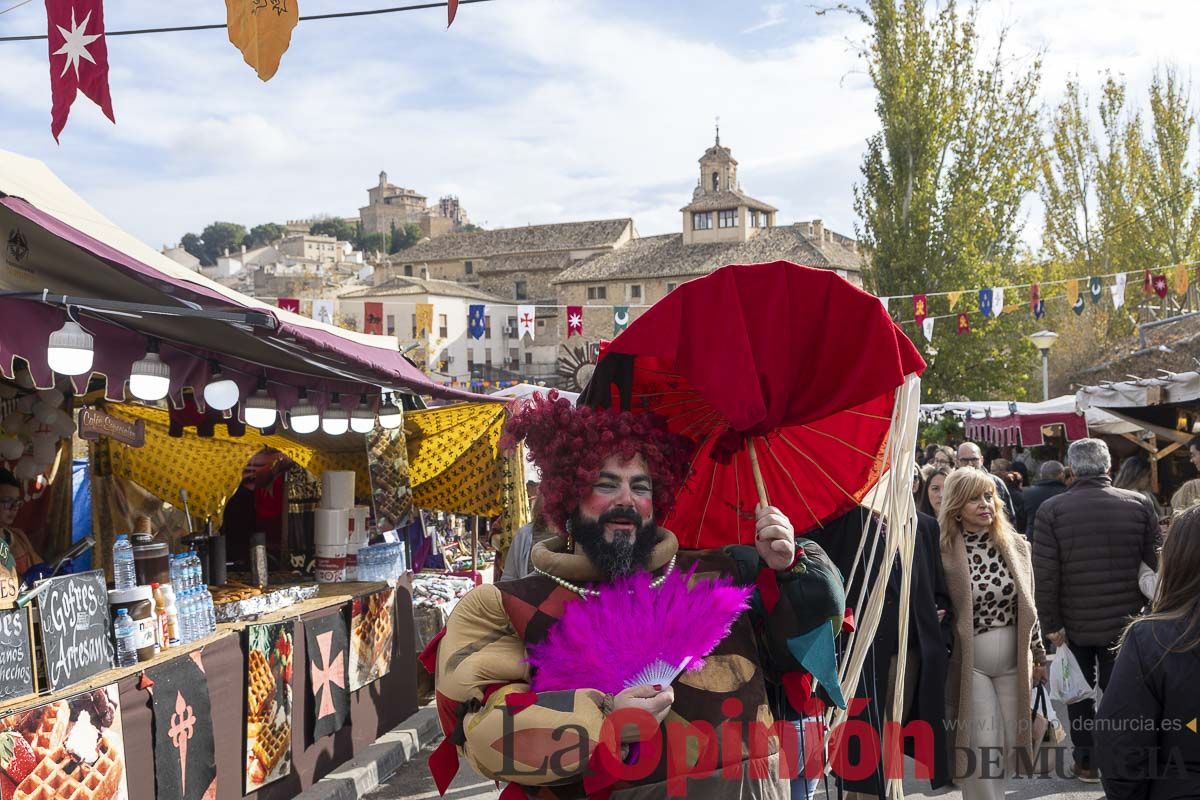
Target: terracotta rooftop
(503, 241)
(400, 286)
(714, 201)
(667, 255)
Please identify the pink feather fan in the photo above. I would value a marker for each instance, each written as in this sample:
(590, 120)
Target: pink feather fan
(633, 633)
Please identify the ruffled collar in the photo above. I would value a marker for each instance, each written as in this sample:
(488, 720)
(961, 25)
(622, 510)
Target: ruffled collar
(551, 556)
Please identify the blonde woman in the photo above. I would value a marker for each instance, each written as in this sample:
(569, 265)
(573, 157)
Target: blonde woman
(998, 654)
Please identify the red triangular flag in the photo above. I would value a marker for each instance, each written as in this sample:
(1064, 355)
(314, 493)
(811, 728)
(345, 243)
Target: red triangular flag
(1035, 295)
(920, 308)
(964, 324)
(1147, 282)
(78, 58)
(1160, 285)
(451, 10)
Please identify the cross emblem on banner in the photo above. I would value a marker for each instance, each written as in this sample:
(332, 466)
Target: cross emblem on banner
(183, 725)
(331, 673)
(526, 319)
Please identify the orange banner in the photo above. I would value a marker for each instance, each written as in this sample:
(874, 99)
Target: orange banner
(262, 30)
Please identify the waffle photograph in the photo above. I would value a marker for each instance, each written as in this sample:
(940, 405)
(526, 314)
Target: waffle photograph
(371, 638)
(268, 704)
(69, 749)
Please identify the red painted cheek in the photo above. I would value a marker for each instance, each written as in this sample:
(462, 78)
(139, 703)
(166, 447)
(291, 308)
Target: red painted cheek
(594, 504)
(644, 506)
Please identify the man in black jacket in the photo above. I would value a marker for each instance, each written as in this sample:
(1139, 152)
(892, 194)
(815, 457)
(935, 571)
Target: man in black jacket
(1049, 484)
(1088, 544)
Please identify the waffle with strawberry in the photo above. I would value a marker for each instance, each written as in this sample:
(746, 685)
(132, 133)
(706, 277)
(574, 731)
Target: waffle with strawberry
(59, 775)
(17, 760)
(260, 688)
(270, 746)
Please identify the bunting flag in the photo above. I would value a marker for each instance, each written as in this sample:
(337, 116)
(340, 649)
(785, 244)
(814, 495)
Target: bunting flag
(884, 301)
(1118, 290)
(1072, 287)
(1160, 286)
(322, 311)
(985, 305)
(475, 326)
(1078, 306)
(1181, 279)
(291, 304)
(1147, 282)
(373, 318)
(424, 319)
(327, 645)
(954, 297)
(620, 319)
(1039, 310)
(1096, 288)
(1035, 295)
(964, 324)
(262, 30)
(927, 327)
(574, 321)
(526, 315)
(997, 300)
(920, 308)
(78, 58)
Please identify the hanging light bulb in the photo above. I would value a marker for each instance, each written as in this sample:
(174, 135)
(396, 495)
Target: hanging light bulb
(304, 416)
(362, 418)
(336, 421)
(150, 377)
(390, 415)
(69, 351)
(260, 408)
(221, 393)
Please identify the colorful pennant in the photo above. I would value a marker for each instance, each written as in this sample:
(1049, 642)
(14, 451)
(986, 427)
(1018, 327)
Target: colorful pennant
(475, 321)
(954, 297)
(78, 58)
(964, 324)
(920, 308)
(620, 318)
(262, 30)
(526, 316)
(985, 303)
(574, 321)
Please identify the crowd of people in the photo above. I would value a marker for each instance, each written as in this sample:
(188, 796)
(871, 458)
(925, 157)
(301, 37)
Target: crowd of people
(1071, 561)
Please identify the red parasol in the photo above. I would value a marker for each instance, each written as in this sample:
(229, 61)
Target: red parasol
(790, 367)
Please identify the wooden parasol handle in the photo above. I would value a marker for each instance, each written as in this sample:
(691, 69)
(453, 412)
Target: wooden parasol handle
(758, 478)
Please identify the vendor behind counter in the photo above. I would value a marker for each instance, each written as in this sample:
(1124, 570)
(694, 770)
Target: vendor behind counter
(259, 504)
(21, 555)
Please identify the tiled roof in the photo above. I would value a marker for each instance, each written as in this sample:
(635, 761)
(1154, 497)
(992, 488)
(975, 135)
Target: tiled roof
(521, 262)
(714, 201)
(529, 239)
(667, 255)
(408, 286)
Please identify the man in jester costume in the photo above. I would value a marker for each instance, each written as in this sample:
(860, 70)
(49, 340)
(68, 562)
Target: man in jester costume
(607, 477)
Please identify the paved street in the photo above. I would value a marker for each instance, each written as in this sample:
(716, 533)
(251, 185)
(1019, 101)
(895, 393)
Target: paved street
(412, 782)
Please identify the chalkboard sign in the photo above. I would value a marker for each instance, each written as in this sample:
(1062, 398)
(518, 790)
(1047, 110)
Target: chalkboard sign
(76, 625)
(16, 667)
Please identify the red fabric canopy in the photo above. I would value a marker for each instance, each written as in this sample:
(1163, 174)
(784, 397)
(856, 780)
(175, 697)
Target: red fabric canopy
(1024, 429)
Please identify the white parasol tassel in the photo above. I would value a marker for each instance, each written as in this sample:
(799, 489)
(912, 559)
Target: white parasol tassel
(892, 501)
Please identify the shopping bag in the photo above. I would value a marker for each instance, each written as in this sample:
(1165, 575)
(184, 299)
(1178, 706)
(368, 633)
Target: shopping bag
(1052, 732)
(1068, 682)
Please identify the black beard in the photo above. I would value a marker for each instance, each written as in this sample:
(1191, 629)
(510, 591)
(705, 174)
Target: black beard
(622, 556)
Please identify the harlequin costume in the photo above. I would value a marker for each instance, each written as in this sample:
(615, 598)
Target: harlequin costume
(548, 744)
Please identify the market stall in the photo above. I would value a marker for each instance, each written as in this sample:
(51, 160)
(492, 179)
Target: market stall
(182, 384)
(1162, 414)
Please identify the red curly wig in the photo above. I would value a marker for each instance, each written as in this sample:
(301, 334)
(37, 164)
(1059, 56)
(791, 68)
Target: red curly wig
(570, 445)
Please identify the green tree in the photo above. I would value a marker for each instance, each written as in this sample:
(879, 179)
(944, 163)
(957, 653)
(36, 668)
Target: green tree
(374, 243)
(268, 232)
(340, 229)
(1167, 183)
(220, 238)
(943, 183)
(405, 237)
(195, 245)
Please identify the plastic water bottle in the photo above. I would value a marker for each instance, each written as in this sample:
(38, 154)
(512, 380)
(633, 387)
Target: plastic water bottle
(184, 601)
(197, 572)
(210, 611)
(125, 631)
(193, 615)
(124, 574)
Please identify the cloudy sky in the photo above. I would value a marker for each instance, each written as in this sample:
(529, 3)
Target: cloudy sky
(530, 111)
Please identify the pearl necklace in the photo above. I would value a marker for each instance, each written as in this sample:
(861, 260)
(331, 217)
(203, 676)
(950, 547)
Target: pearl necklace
(585, 593)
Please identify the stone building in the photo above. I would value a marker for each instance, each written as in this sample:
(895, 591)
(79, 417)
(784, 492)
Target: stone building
(390, 206)
(721, 225)
(448, 351)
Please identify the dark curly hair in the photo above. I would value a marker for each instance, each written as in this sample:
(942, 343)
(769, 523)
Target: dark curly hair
(570, 445)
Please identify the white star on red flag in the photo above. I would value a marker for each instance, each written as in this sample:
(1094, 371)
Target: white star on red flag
(81, 46)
